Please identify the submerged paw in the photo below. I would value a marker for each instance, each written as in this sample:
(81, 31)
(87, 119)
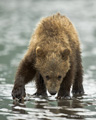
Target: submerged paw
(18, 93)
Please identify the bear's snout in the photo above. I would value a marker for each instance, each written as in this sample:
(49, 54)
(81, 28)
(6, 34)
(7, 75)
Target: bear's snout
(52, 92)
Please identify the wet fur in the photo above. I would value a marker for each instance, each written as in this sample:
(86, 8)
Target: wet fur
(58, 32)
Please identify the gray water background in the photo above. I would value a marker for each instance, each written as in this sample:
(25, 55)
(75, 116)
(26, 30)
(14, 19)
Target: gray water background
(18, 19)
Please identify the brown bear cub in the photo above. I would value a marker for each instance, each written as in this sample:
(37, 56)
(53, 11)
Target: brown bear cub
(54, 58)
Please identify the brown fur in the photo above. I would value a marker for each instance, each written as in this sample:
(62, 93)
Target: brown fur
(54, 57)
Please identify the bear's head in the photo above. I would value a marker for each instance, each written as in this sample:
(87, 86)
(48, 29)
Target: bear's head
(53, 66)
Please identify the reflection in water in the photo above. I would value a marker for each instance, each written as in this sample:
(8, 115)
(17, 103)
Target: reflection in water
(69, 108)
(20, 108)
(47, 109)
(52, 108)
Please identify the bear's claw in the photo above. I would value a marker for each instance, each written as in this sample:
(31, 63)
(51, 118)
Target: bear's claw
(38, 94)
(78, 92)
(63, 97)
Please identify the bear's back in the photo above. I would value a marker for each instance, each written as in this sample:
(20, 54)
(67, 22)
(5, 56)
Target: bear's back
(53, 30)
(55, 25)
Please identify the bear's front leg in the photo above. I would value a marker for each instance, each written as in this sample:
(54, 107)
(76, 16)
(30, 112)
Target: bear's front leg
(40, 86)
(64, 91)
(78, 81)
(25, 73)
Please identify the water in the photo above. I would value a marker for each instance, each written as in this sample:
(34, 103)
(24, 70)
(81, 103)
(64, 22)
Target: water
(18, 19)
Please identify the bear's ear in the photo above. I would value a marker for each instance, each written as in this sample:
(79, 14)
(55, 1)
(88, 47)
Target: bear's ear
(65, 53)
(40, 53)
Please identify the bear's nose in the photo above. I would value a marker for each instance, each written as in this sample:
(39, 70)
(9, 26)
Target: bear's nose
(52, 92)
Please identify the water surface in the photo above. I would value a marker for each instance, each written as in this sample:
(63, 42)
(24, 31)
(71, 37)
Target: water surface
(18, 19)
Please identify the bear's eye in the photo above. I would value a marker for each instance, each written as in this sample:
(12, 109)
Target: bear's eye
(59, 77)
(47, 77)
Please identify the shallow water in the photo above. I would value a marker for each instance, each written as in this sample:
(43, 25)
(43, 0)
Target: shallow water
(17, 22)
